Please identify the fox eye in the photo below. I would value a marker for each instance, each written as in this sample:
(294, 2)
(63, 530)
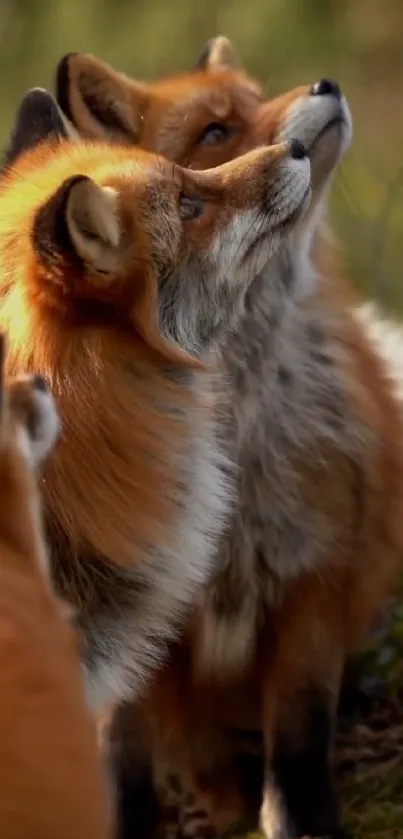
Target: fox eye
(214, 133)
(190, 207)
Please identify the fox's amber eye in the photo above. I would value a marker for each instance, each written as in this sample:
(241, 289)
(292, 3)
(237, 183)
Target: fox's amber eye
(190, 207)
(215, 133)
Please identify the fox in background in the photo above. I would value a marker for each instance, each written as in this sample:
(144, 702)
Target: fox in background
(244, 712)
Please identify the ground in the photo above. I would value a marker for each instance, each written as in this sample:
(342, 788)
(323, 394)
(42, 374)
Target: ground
(370, 748)
(370, 741)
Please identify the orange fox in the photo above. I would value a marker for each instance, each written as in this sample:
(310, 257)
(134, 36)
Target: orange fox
(51, 779)
(248, 700)
(121, 274)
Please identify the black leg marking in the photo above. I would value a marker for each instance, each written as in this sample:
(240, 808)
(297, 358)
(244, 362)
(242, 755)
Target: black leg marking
(250, 769)
(137, 805)
(301, 769)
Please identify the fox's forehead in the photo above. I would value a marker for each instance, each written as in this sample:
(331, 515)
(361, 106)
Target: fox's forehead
(147, 184)
(137, 175)
(180, 109)
(44, 169)
(214, 93)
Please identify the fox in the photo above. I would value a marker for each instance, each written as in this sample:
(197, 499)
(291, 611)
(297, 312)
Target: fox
(243, 714)
(121, 275)
(52, 783)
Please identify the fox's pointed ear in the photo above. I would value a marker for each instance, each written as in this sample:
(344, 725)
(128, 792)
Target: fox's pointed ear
(94, 225)
(100, 102)
(82, 219)
(218, 53)
(38, 118)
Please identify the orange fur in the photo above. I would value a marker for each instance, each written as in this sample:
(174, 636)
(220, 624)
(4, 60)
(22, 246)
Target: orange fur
(51, 778)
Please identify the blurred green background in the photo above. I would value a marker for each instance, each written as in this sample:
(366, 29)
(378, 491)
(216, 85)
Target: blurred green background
(283, 43)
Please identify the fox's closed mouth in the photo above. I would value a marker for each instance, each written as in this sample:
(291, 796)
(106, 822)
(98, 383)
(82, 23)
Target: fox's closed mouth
(293, 217)
(333, 123)
(282, 226)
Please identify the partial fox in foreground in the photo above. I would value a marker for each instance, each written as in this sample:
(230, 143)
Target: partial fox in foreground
(51, 779)
(247, 702)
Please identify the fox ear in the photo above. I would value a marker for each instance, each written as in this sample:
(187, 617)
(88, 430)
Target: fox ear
(83, 218)
(218, 52)
(38, 118)
(93, 222)
(100, 102)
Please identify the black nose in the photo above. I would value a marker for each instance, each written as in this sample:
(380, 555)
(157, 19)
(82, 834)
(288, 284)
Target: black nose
(297, 149)
(326, 87)
(39, 383)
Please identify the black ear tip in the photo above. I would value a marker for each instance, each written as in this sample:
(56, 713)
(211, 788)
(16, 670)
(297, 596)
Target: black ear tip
(38, 93)
(38, 117)
(66, 57)
(64, 65)
(38, 108)
(37, 99)
(63, 82)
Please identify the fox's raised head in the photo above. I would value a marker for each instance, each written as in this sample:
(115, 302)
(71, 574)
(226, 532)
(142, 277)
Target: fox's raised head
(121, 237)
(199, 118)
(120, 271)
(206, 116)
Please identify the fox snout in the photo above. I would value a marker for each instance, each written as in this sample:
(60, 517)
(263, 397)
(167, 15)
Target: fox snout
(267, 190)
(290, 188)
(270, 178)
(277, 179)
(319, 116)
